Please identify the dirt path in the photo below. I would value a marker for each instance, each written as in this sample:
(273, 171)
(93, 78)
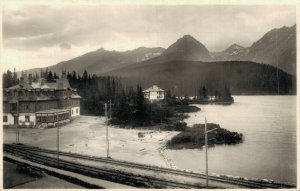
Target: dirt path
(161, 151)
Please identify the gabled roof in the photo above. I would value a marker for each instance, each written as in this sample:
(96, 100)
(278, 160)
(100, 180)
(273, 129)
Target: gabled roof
(59, 84)
(21, 86)
(154, 88)
(63, 83)
(39, 85)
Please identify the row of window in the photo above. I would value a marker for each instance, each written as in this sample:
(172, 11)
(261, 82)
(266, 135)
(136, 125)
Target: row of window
(40, 106)
(38, 93)
(45, 119)
(53, 118)
(76, 111)
(27, 118)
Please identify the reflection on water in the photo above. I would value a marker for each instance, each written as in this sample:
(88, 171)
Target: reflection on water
(268, 124)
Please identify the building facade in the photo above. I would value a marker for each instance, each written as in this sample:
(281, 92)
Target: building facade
(35, 104)
(154, 93)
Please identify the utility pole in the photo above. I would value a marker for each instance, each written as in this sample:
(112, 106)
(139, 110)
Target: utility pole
(107, 141)
(110, 109)
(206, 154)
(57, 142)
(17, 121)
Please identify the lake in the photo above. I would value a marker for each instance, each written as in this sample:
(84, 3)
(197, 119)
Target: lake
(268, 124)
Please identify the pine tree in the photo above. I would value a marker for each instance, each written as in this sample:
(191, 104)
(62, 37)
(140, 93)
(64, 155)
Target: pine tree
(122, 111)
(15, 78)
(204, 95)
(140, 106)
(131, 95)
(56, 77)
(108, 89)
(113, 90)
(85, 76)
(168, 94)
(8, 81)
(226, 94)
(49, 77)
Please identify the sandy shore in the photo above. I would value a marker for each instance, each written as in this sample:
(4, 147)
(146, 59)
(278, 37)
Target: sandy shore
(87, 135)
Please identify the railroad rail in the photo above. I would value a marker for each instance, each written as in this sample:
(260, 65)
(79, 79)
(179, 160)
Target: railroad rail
(101, 173)
(32, 152)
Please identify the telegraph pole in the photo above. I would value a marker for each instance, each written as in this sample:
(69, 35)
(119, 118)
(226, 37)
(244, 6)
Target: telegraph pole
(57, 141)
(106, 121)
(206, 156)
(18, 133)
(110, 109)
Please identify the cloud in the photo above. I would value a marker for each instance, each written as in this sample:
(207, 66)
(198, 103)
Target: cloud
(65, 46)
(32, 21)
(38, 29)
(34, 27)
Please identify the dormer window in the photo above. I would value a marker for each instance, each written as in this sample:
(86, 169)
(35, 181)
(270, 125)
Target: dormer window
(44, 93)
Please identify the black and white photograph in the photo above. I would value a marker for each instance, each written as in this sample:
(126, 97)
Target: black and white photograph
(149, 94)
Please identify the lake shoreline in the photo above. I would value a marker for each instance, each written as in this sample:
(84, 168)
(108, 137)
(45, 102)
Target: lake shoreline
(261, 119)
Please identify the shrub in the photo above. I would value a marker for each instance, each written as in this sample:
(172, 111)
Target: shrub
(194, 137)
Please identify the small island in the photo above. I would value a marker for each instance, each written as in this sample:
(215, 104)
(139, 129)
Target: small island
(194, 137)
(221, 96)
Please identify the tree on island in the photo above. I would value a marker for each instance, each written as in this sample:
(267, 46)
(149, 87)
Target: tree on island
(217, 95)
(194, 137)
(226, 94)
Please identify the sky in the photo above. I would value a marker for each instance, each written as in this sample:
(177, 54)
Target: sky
(40, 35)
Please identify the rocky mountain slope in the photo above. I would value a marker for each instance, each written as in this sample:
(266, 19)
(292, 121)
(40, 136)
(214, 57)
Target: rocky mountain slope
(101, 60)
(277, 48)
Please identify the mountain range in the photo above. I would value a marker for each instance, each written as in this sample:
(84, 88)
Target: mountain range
(187, 58)
(277, 48)
(101, 60)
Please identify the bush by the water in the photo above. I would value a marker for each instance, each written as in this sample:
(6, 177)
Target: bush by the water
(186, 109)
(176, 126)
(194, 137)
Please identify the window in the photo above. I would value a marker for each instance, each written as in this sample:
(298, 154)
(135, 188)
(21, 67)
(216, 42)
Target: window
(43, 119)
(76, 111)
(27, 118)
(5, 118)
(14, 106)
(72, 111)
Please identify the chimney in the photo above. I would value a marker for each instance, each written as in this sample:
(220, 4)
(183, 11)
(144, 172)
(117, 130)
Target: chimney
(63, 82)
(42, 81)
(23, 78)
(64, 75)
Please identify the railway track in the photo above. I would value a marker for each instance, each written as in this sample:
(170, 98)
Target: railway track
(101, 173)
(227, 180)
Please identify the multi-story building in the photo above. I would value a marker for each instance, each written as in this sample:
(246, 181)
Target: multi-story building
(35, 104)
(154, 93)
